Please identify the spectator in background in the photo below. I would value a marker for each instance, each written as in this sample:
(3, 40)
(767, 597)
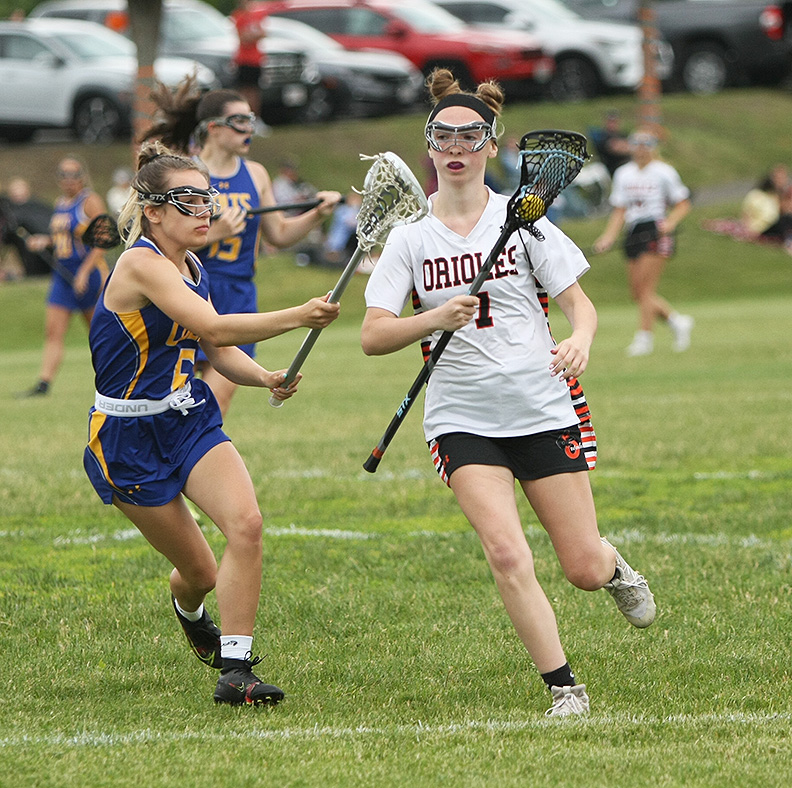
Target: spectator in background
(249, 58)
(119, 192)
(341, 240)
(780, 231)
(288, 185)
(761, 206)
(25, 216)
(611, 143)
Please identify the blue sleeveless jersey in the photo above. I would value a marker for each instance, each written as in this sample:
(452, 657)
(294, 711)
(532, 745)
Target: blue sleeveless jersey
(144, 354)
(67, 225)
(236, 256)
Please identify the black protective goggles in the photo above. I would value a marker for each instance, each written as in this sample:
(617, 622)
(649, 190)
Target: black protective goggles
(188, 200)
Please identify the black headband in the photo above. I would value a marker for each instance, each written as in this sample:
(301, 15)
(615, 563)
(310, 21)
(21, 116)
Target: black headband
(464, 100)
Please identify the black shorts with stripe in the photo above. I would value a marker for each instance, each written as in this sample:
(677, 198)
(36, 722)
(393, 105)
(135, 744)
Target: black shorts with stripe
(644, 237)
(528, 457)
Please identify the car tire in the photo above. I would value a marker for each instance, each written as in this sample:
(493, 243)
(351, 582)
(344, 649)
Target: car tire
(321, 106)
(575, 79)
(705, 69)
(97, 120)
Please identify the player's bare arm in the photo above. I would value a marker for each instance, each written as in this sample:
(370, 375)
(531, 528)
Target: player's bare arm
(144, 276)
(571, 355)
(383, 332)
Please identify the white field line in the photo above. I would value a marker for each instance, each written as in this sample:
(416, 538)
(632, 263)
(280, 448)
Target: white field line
(416, 731)
(744, 541)
(80, 536)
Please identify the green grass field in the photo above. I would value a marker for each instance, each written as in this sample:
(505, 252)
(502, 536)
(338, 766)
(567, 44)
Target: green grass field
(379, 617)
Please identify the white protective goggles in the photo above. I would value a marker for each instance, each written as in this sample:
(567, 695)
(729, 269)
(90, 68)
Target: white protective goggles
(241, 122)
(471, 137)
(188, 200)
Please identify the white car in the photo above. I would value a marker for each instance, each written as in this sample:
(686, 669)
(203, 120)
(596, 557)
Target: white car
(69, 74)
(591, 57)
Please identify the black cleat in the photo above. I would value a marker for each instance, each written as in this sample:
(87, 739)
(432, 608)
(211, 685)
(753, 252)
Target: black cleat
(39, 390)
(239, 686)
(203, 637)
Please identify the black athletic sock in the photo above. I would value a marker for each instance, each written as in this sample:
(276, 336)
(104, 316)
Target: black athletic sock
(560, 677)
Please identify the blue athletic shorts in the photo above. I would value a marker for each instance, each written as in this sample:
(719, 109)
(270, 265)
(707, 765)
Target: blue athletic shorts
(146, 460)
(231, 296)
(61, 293)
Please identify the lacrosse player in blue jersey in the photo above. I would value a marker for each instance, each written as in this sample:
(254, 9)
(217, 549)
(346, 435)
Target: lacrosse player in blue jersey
(219, 127)
(155, 431)
(79, 270)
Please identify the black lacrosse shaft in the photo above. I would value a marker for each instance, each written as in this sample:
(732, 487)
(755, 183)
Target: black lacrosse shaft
(293, 206)
(373, 461)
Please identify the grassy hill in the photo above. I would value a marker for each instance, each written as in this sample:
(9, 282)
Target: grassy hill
(732, 136)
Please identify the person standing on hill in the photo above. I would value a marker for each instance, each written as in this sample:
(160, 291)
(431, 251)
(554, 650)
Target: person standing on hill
(649, 198)
(248, 58)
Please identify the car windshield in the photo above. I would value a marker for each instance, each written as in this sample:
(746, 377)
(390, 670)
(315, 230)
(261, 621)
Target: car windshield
(94, 46)
(428, 19)
(309, 37)
(194, 24)
(552, 9)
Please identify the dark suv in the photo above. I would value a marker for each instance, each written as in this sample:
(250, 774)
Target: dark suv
(716, 43)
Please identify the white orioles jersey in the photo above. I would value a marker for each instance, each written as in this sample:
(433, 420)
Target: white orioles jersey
(494, 378)
(646, 193)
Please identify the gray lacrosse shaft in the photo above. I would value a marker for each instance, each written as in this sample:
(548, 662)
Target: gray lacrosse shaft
(313, 334)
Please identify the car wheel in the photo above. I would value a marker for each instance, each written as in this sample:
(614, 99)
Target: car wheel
(575, 79)
(97, 119)
(320, 106)
(705, 69)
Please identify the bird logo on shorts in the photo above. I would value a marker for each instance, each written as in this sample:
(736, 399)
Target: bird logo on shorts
(570, 446)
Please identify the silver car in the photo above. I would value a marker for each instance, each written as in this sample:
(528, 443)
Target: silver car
(68, 74)
(592, 57)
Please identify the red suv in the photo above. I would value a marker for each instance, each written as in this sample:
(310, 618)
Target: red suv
(428, 36)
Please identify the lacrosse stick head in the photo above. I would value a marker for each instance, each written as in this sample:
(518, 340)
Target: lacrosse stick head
(391, 196)
(550, 160)
(102, 232)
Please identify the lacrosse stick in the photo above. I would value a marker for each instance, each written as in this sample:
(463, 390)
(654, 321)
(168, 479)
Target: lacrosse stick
(292, 206)
(549, 161)
(391, 196)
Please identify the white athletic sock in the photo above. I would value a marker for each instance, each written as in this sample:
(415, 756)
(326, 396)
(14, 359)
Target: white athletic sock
(235, 646)
(194, 616)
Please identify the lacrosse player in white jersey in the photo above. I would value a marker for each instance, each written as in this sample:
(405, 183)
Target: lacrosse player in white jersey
(650, 200)
(503, 402)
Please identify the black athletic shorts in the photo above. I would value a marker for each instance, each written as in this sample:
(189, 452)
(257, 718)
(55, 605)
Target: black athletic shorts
(645, 237)
(528, 457)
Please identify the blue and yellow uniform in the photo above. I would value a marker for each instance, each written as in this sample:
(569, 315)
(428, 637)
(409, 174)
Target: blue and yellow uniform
(231, 263)
(67, 225)
(143, 359)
